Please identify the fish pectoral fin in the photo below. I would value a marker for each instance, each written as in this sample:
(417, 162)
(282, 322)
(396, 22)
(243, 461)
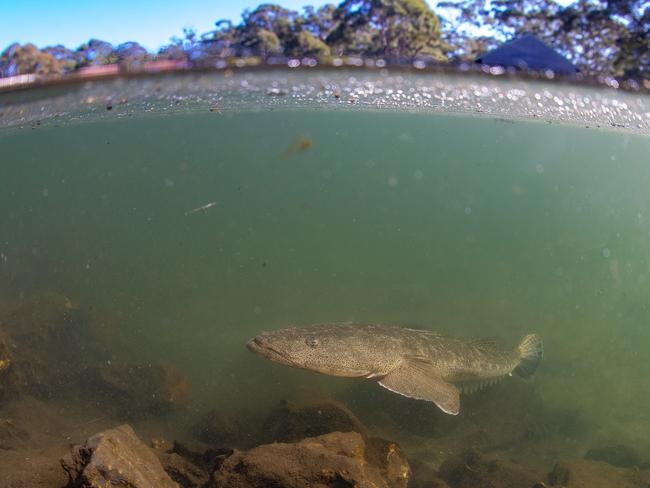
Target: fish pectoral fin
(415, 379)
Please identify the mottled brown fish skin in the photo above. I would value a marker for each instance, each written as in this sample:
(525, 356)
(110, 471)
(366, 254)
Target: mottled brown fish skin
(429, 362)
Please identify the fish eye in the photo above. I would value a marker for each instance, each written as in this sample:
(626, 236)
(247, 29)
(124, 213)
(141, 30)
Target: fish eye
(311, 342)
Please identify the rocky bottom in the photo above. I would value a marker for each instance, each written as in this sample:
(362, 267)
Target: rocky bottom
(347, 456)
(72, 414)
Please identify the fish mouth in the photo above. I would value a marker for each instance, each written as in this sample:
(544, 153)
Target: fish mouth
(262, 347)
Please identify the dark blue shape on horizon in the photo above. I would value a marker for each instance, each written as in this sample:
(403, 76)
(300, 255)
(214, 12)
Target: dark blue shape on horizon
(528, 53)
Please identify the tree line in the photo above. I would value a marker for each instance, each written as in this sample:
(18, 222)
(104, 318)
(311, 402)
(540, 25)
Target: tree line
(601, 37)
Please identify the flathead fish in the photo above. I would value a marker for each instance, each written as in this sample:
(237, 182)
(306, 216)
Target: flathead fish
(418, 364)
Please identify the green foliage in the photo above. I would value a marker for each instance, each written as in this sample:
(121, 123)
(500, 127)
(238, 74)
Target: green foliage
(267, 30)
(319, 22)
(599, 36)
(310, 45)
(267, 42)
(17, 59)
(64, 56)
(95, 53)
(388, 28)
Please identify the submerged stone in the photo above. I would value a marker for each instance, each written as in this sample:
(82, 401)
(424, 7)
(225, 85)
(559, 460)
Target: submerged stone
(331, 460)
(115, 457)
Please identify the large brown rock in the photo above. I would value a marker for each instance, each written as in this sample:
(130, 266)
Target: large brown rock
(583, 473)
(115, 457)
(331, 460)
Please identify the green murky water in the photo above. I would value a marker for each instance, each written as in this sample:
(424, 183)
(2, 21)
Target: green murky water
(471, 226)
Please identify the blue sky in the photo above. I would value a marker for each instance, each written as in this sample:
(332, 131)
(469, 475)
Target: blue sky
(150, 22)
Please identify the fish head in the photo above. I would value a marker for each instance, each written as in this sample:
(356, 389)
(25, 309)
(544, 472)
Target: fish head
(336, 350)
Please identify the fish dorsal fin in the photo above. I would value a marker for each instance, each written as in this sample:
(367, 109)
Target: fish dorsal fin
(487, 344)
(418, 379)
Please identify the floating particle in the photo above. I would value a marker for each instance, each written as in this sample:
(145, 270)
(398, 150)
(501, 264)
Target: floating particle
(393, 181)
(606, 252)
(468, 210)
(299, 145)
(201, 208)
(539, 168)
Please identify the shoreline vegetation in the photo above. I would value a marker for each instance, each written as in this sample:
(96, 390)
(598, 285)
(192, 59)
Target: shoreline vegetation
(605, 40)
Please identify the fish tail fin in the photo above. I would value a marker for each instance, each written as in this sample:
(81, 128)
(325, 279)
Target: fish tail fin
(530, 351)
